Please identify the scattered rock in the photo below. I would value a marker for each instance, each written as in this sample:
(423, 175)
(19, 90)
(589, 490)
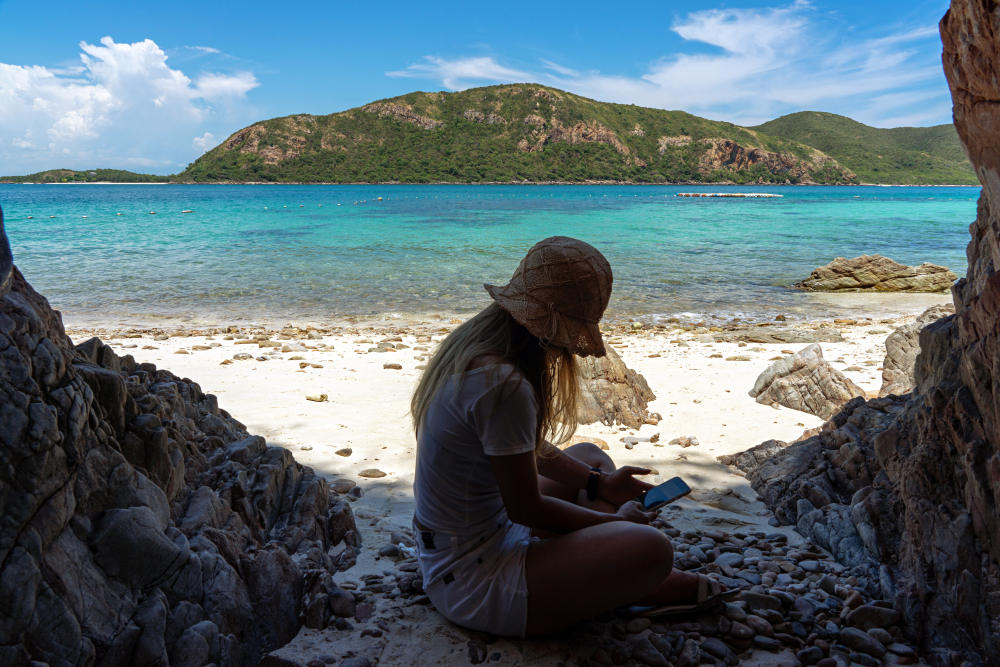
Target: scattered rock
(876, 273)
(778, 335)
(317, 398)
(346, 451)
(393, 367)
(685, 441)
(611, 393)
(807, 382)
(371, 473)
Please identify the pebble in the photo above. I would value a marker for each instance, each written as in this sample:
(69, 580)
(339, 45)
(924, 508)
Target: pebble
(768, 643)
(637, 625)
(732, 560)
(392, 367)
(371, 473)
(870, 616)
(317, 398)
(343, 485)
(346, 451)
(861, 641)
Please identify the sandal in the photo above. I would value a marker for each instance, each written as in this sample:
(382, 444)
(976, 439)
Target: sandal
(711, 595)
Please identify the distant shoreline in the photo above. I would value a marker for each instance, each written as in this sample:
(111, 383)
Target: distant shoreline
(631, 183)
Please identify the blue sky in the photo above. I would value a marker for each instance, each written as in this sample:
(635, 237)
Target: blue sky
(149, 86)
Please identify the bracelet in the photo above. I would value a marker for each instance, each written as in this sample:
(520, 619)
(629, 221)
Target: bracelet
(592, 478)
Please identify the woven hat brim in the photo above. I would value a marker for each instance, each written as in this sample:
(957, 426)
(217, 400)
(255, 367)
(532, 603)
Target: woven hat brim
(579, 337)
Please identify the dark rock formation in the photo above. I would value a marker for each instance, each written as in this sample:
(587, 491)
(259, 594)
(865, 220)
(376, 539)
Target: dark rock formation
(611, 393)
(917, 478)
(753, 457)
(805, 381)
(762, 334)
(901, 350)
(139, 523)
(875, 273)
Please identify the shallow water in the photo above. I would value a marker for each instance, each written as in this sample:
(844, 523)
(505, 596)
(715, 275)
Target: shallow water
(269, 253)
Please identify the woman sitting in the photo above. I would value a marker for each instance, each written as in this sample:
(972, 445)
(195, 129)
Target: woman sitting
(514, 536)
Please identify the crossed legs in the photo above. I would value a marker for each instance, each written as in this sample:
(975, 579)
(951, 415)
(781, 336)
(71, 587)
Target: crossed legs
(581, 574)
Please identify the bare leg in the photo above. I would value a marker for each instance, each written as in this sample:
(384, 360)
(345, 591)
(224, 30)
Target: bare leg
(577, 576)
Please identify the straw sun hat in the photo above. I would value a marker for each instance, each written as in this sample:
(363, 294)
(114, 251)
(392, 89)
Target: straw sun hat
(558, 293)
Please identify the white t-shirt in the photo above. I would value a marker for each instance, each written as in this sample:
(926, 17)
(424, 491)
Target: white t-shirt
(454, 486)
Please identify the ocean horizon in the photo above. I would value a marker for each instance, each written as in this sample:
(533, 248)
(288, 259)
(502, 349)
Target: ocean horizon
(213, 255)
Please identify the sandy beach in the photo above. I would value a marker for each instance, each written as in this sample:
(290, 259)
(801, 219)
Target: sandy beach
(360, 429)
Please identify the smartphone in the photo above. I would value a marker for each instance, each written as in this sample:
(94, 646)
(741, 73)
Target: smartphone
(667, 492)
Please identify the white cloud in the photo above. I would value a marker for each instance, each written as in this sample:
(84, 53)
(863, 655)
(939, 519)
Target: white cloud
(462, 72)
(204, 142)
(762, 63)
(124, 104)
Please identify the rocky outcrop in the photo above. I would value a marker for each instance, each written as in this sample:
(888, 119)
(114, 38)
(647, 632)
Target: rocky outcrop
(912, 483)
(725, 154)
(901, 350)
(752, 458)
(403, 113)
(553, 131)
(875, 273)
(805, 381)
(612, 393)
(477, 116)
(140, 523)
(768, 334)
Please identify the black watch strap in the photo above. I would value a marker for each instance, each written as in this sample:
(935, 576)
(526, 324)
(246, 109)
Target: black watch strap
(592, 478)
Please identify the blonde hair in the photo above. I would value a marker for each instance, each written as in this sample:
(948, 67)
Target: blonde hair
(551, 371)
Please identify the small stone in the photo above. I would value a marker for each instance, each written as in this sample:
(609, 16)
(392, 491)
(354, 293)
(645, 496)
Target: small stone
(740, 631)
(759, 625)
(767, 643)
(734, 612)
(371, 473)
(810, 655)
(716, 647)
(870, 616)
(389, 551)
(637, 625)
(346, 451)
(732, 560)
(862, 641)
(756, 601)
(343, 485)
(645, 653)
(902, 649)
(883, 636)
(242, 356)
(392, 367)
(181, 352)
(827, 583)
(318, 398)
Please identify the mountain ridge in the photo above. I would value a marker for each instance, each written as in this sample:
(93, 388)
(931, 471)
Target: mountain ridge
(529, 133)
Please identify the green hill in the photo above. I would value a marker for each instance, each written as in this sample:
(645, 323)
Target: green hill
(85, 176)
(509, 133)
(532, 133)
(904, 155)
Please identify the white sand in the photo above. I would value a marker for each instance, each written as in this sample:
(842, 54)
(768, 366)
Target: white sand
(367, 411)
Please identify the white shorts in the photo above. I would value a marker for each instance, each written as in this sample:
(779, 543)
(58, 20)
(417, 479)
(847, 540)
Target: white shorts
(479, 582)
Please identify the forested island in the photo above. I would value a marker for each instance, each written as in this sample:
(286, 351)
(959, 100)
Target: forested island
(536, 134)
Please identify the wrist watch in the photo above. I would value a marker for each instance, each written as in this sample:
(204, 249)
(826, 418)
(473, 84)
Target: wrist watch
(592, 478)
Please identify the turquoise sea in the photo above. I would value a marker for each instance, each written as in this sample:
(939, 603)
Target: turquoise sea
(278, 253)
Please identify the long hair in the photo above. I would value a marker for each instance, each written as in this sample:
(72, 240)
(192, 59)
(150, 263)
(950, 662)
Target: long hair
(551, 371)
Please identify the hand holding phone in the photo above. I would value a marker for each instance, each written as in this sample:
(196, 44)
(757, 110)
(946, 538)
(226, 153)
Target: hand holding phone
(668, 492)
